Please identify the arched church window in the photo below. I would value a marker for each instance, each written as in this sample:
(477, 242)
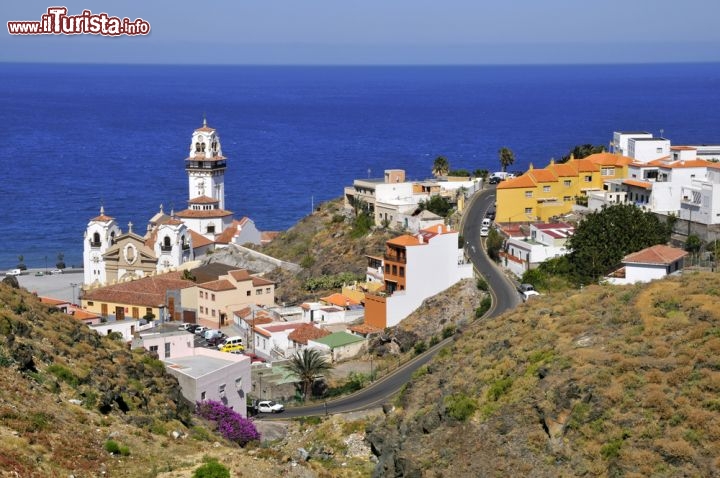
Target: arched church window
(166, 244)
(202, 147)
(96, 239)
(197, 147)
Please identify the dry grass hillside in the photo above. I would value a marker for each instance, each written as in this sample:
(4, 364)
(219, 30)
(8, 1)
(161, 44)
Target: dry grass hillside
(607, 381)
(324, 244)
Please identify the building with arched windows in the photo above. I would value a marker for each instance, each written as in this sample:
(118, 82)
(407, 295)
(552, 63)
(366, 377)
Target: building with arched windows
(170, 240)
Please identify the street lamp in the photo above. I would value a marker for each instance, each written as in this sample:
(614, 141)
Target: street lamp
(73, 285)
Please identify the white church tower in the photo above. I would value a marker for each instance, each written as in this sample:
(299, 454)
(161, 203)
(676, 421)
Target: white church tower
(100, 234)
(205, 166)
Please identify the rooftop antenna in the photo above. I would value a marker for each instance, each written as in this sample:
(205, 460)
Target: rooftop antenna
(204, 119)
(662, 131)
(369, 172)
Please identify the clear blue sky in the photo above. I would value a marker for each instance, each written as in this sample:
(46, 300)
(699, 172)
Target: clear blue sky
(382, 32)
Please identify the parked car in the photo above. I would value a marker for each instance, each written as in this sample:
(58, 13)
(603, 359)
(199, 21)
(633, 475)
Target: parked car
(39, 274)
(234, 340)
(200, 329)
(490, 215)
(13, 272)
(484, 231)
(56, 271)
(232, 348)
(486, 222)
(494, 180)
(210, 333)
(185, 326)
(217, 340)
(527, 291)
(269, 406)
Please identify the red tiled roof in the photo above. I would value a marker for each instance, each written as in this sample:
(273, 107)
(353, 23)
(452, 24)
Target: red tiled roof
(102, 218)
(659, 254)
(268, 236)
(81, 314)
(192, 213)
(258, 282)
(692, 163)
(51, 301)
(203, 200)
(306, 332)
(148, 291)
(217, 285)
(240, 275)
(205, 129)
(199, 240)
(282, 327)
(609, 159)
(637, 183)
(683, 148)
(227, 235)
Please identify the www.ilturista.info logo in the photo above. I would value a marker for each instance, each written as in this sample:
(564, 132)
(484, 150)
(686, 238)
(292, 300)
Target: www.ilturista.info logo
(58, 22)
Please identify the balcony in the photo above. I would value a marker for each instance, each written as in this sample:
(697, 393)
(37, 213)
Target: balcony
(165, 248)
(399, 258)
(95, 244)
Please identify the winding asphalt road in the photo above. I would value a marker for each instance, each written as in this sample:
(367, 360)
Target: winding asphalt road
(505, 297)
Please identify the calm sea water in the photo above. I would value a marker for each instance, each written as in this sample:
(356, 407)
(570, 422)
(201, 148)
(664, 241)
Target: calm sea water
(76, 136)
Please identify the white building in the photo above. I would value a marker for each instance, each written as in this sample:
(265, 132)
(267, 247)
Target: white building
(700, 200)
(416, 267)
(619, 143)
(648, 264)
(170, 240)
(545, 241)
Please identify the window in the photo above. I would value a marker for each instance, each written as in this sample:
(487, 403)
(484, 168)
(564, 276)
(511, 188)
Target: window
(402, 271)
(607, 171)
(528, 194)
(202, 396)
(211, 229)
(148, 311)
(394, 270)
(154, 348)
(528, 210)
(212, 297)
(167, 349)
(658, 150)
(588, 178)
(387, 268)
(268, 290)
(248, 293)
(213, 312)
(202, 309)
(567, 198)
(546, 189)
(567, 183)
(201, 296)
(90, 303)
(258, 291)
(221, 390)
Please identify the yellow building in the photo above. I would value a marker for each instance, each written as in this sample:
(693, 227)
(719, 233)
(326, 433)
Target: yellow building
(540, 194)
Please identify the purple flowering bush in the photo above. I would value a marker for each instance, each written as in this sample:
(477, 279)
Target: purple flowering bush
(230, 424)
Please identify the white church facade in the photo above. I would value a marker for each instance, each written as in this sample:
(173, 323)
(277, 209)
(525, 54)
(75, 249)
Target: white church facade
(109, 255)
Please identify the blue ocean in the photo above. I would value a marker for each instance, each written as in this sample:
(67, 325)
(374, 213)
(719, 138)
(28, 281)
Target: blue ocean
(78, 136)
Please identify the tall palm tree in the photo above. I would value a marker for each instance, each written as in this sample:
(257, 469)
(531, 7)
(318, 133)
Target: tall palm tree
(441, 166)
(307, 364)
(506, 157)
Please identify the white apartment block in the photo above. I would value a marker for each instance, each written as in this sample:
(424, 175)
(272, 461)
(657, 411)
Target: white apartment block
(545, 241)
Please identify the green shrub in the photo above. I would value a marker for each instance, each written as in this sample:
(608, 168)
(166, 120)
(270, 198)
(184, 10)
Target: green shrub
(482, 284)
(448, 331)
(64, 374)
(499, 388)
(211, 469)
(420, 347)
(612, 449)
(484, 307)
(434, 340)
(112, 447)
(460, 407)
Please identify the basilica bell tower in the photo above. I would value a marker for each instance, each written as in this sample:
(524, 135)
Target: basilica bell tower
(205, 167)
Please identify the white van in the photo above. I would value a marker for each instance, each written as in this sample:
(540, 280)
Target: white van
(486, 222)
(210, 333)
(235, 340)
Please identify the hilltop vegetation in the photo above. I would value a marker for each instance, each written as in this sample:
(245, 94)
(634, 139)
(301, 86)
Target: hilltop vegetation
(605, 381)
(327, 244)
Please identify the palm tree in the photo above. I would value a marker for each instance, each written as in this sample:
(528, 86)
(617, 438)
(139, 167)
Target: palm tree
(506, 157)
(307, 364)
(441, 166)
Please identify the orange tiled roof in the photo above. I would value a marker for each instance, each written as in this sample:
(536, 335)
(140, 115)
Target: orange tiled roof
(192, 213)
(660, 254)
(524, 181)
(148, 291)
(268, 236)
(404, 240)
(585, 166)
(339, 300)
(227, 235)
(205, 129)
(609, 159)
(692, 163)
(219, 285)
(543, 175)
(683, 148)
(306, 332)
(438, 229)
(564, 170)
(51, 301)
(81, 314)
(150, 241)
(199, 240)
(637, 183)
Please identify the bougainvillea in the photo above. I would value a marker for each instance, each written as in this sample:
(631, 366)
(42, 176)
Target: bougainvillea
(230, 424)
